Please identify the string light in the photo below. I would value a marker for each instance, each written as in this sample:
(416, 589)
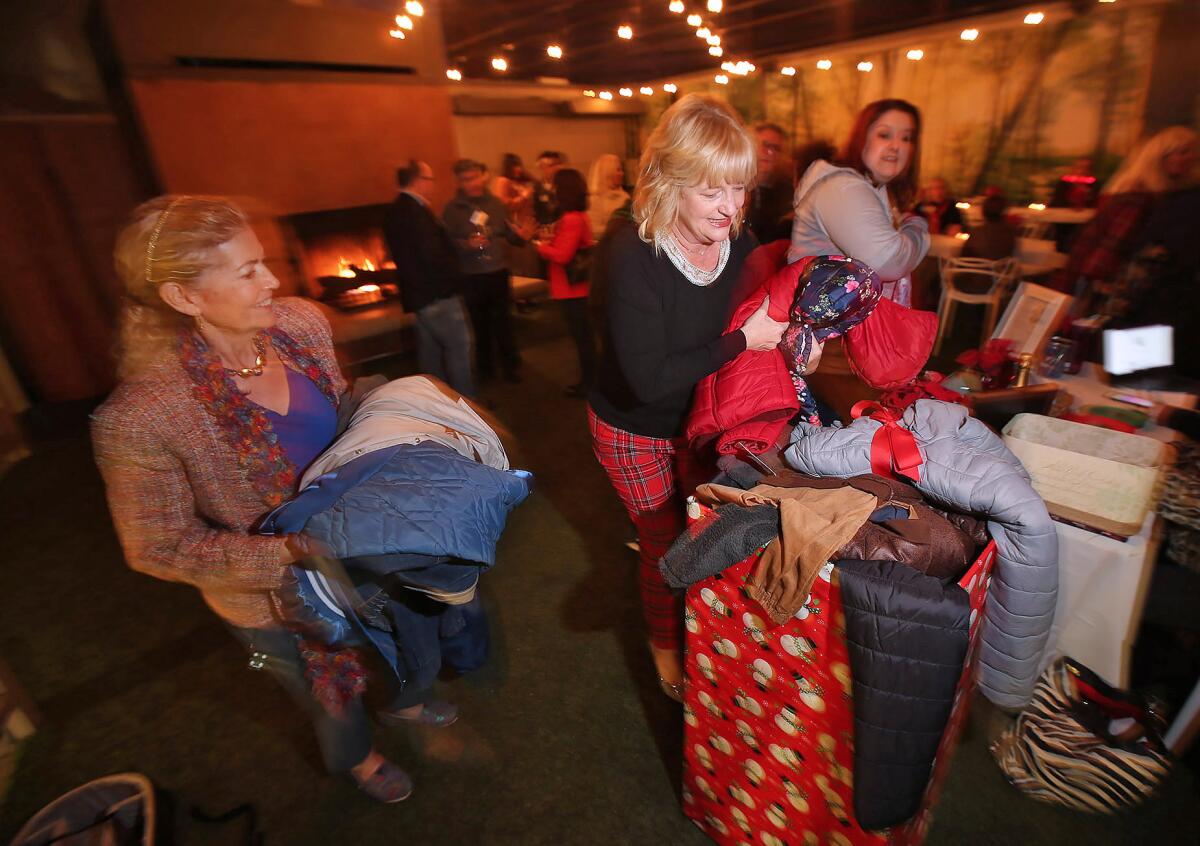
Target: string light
(454, 74)
(721, 79)
(714, 6)
(969, 34)
(499, 63)
(605, 95)
(703, 32)
(1037, 206)
(396, 33)
(693, 20)
(961, 206)
(414, 8)
(625, 31)
(587, 92)
(554, 51)
(404, 22)
(714, 40)
(787, 70)
(716, 51)
(626, 92)
(915, 55)
(676, 6)
(824, 64)
(1034, 18)
(670, 88)
(647, 90)
(865, 67)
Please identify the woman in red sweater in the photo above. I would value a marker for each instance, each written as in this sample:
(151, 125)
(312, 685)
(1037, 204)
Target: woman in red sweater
(567, 254)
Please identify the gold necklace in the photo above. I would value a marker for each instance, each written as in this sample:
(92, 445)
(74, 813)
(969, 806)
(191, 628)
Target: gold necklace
(260, 360)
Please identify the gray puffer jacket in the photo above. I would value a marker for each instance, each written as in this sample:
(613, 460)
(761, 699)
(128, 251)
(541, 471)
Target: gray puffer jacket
(968, 468)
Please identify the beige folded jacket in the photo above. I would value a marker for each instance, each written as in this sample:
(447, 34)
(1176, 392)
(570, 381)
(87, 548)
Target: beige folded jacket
(814, 524)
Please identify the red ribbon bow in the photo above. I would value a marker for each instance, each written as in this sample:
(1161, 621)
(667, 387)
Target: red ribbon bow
(893, 449)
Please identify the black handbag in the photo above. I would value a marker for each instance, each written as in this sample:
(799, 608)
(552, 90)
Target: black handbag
(579, 268)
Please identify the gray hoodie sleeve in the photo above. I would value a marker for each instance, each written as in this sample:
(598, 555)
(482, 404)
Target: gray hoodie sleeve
(856, 221)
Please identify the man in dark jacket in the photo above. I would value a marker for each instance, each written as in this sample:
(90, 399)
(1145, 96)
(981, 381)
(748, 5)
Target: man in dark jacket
(770, 201)
(429, 279)
(476, 221)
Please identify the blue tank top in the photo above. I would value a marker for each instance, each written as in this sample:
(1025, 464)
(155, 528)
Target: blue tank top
(310, 424)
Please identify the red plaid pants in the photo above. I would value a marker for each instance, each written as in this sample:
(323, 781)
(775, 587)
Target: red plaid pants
(651, 476)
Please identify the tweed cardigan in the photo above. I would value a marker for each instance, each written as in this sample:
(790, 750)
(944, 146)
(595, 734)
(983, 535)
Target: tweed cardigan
(181, 504)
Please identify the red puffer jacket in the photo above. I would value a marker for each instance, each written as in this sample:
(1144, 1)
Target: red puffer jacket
(750, 398)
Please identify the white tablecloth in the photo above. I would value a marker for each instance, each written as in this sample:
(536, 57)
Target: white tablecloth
(1035, 256)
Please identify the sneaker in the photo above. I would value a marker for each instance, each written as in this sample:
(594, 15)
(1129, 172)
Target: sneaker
(388, 784)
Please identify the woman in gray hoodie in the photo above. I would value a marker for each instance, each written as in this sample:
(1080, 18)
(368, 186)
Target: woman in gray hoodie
(859, 204)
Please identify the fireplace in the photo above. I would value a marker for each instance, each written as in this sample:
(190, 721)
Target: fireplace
(341, 256)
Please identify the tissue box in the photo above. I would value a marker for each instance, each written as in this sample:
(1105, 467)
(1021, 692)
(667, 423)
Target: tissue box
(1095, 477)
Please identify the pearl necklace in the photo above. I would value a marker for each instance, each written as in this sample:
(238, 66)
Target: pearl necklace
(260, 360)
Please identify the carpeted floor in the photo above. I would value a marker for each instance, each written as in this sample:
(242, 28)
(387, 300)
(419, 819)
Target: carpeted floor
(564, 738)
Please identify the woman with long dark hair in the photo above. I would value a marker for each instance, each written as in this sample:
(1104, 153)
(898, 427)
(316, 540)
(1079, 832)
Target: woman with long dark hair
(858, 205)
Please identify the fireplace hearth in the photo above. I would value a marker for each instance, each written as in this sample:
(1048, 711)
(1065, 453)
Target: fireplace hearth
(341, 256)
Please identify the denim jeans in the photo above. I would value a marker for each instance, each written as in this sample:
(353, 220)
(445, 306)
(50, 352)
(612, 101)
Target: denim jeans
(444, 344)
(344, 741)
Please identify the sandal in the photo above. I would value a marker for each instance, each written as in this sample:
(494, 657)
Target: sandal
(436, 713)
(387, 783)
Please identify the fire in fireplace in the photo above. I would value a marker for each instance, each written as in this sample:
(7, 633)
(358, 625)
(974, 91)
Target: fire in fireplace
(341, 255)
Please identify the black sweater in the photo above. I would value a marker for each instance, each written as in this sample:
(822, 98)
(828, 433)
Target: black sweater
(421, 249)
(662, 337)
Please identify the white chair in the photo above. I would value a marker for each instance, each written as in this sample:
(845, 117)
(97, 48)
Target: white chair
(991, 280)
(1037, 229)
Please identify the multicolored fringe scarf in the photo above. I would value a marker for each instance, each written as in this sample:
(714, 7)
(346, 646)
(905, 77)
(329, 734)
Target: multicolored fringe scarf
(337, 676)
(243, 423)
(833, 295)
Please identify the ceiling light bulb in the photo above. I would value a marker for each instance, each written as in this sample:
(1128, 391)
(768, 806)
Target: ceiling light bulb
(962, 205)
(625, 31)
(404, 22)
(915, 55)
(626, 92)
(714, 6)
(824, 64)
(455, 74)
(414, 8)
(647, 90)
(670, 88)
(587, 92)
(716, 51)
(396, 33)
(714, 40)
(1034, 18)
(554, 51)
(676, 6)
(693, 20)
(605, 95)
(703, 32)
(969, 34)
(787, 70)
(721, 79)
(865, 67)
(499, 63)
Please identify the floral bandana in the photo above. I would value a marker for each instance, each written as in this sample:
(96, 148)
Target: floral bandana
(833, 295)
(243, 423)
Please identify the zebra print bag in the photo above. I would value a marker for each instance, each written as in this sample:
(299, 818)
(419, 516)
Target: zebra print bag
(1084, 744)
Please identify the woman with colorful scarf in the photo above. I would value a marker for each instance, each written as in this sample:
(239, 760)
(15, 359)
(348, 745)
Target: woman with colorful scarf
(226, 396)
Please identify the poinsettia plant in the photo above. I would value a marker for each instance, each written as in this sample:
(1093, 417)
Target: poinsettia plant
(993, 361)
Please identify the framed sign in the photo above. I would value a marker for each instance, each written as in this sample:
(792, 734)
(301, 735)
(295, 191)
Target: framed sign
(1032, 316)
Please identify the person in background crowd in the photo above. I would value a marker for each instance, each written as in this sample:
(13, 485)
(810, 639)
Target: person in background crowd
(429, 279)
(1077, 188)
(940, 209)
(771, 199)
(1164, 163)
(226, 396)
(670, 282)
(996, 238)
(849, 206)
(544, 203)
(572, 242)
(514, 188)
(606, 190)
(805, 155)
(477, 224)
